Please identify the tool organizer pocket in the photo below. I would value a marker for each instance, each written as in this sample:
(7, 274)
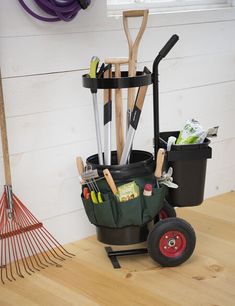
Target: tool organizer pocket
(153, 204)
(129, 212)
(89, 209)
(114, 214)
(101, 214)
(104, 213)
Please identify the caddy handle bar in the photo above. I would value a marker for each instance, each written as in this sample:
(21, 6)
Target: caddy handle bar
(168, 46)
(164, 51)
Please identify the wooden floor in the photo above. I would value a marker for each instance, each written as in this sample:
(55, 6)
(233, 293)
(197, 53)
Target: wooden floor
(207, 278)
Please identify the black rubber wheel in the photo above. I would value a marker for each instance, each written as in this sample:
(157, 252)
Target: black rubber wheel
(167, 211)
(171, 242)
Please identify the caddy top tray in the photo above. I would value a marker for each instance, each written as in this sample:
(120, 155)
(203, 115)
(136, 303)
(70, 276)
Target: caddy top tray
(142, 78)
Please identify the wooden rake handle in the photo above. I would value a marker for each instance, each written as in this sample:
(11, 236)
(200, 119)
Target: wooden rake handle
(5, 151)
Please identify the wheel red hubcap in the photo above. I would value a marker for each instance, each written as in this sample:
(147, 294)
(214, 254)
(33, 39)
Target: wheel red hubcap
(172, 244)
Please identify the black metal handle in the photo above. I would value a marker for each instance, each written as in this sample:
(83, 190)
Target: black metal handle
(164, 51)
(169, 45)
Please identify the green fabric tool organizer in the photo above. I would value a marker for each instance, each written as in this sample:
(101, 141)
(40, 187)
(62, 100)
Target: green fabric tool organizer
(114, 214)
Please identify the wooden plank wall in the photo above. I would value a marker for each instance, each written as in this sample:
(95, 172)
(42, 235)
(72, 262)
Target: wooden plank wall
(49, 113)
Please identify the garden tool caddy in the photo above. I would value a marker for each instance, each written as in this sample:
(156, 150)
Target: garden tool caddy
(170, 240)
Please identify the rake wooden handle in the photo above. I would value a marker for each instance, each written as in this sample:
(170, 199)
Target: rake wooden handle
(5, 151)
(133, 47)
(159, 163)
(110, 181)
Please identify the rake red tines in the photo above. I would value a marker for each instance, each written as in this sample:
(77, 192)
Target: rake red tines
(25, 245)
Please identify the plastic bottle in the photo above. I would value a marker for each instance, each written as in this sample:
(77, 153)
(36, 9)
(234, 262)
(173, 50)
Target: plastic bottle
(148, 188)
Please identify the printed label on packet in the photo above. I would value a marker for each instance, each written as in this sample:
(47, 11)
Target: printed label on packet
(128, 192)
(192, 133)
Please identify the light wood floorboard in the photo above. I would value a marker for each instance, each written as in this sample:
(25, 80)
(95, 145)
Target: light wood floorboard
(207, 278)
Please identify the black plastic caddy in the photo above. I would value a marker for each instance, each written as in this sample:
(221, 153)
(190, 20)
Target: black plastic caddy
(189, 170)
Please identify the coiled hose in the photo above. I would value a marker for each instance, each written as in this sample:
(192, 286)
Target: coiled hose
(64, 10)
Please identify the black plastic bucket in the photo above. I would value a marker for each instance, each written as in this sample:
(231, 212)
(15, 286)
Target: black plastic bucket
(189, 170)
(141, 165)
(122, 236)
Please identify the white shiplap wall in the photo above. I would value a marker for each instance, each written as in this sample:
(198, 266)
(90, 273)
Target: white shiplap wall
(49, 113)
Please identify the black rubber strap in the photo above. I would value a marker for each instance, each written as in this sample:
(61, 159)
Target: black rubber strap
(135, 117)
(107, 112)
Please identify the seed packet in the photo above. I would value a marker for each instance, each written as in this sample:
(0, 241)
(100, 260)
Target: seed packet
(128, 192)
(192, 133)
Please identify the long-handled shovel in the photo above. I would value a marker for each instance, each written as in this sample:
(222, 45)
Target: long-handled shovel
(133, 51)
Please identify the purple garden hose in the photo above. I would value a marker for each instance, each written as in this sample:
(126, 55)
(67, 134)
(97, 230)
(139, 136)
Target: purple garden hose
(64, 10)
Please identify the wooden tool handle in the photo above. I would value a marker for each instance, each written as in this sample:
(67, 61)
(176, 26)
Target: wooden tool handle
(5, 151)
(110, 89)
(107, 92)
(118, 106)
(133, 47)
(135, 13)
(117, 60)
(141, 96)
(110, 181)
(80, 165)
(119, 116)
(81, 168)
(159, 163)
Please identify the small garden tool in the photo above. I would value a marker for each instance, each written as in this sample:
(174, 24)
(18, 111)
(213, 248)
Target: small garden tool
(167, 179)
(89, 176)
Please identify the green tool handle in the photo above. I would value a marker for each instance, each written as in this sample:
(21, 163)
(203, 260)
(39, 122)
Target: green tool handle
(93, 70)
(93, 66)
